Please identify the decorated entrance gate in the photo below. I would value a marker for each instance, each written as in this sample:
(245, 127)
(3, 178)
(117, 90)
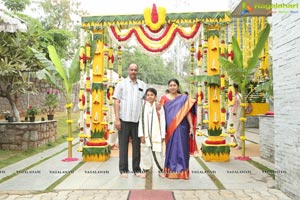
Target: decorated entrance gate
(155, 30)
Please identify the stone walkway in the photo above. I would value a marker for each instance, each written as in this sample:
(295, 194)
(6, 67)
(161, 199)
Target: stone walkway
(101, 180)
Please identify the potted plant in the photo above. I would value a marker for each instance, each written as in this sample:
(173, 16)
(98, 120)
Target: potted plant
(51, 102)
(31, 112)
(7, 116)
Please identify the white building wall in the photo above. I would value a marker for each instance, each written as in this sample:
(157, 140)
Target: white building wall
(286, 69)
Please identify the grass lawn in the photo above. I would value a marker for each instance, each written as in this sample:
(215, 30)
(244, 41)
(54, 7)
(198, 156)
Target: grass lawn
(8, 157)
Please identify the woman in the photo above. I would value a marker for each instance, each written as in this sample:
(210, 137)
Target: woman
(180, 128)
(235, 115)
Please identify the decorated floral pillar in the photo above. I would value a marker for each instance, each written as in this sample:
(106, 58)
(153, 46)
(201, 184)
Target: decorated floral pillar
(85, 62)
(215, 147)
(97, 148)
(192, 73)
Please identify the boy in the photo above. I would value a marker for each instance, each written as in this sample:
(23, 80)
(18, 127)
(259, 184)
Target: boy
(152, 127)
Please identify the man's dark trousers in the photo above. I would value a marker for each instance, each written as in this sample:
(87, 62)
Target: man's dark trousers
(129, 129)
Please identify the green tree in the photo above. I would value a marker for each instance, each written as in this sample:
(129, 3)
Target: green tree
(152, 69)
(16, 60)
(58, 14)
(63, 15)
(16, 5)
(40, 38)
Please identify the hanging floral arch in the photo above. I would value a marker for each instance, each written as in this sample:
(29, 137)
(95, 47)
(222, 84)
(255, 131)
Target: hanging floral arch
(155, 42)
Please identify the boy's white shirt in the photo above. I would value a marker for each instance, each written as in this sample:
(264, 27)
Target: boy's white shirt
(158, 128)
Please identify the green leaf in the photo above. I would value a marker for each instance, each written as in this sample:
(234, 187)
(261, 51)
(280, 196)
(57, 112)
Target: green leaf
(57, 61)
(59, 68)
(211, 80)
(97, 133)
(44, 61)
(99, 150)
(266, 86)
(49, 71)
(237, 53)
(200, 78)
(262, 38)
(97, 86)
(233, 71)
(74, 69)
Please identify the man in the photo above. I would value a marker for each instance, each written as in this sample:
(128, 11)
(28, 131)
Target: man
(128, 98)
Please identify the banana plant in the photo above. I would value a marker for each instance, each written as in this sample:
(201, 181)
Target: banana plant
(68, 76)
(240, 74)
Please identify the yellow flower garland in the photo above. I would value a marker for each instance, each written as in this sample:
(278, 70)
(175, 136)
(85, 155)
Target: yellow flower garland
(69, 121)
(205, 121)
(231, 131)
(82, 135)
(223, 135)
(205, 107)
(232, 144)
(69, 105)
(163, 41)
(70, 139)
(243, 138)
(243, 104)
(200, 133)
(243, 119)
(104, 109)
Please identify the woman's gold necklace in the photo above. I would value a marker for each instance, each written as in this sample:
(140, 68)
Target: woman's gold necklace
(173, 96)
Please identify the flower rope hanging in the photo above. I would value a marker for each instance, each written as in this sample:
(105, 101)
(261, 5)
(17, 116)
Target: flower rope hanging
(156, 43)
(156, 36)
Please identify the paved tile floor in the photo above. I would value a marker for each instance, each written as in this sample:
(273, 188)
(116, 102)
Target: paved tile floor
(94, 180)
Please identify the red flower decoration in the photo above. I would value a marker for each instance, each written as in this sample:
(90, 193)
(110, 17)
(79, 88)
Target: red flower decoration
(215, 142)
(230, 55)
(91, 143)
(230, 95)
(83, 100)
(199, 55)
(111, 58)
(154, 14)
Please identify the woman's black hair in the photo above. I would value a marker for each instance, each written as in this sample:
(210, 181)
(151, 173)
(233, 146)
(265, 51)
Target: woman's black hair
(175, 81)
(186, 93)
(236, 86)
(151, 90)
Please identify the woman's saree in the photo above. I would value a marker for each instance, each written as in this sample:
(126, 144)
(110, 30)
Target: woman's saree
(177, 136)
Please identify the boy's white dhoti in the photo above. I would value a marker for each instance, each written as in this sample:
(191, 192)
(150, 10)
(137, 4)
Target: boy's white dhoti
(152, 125)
